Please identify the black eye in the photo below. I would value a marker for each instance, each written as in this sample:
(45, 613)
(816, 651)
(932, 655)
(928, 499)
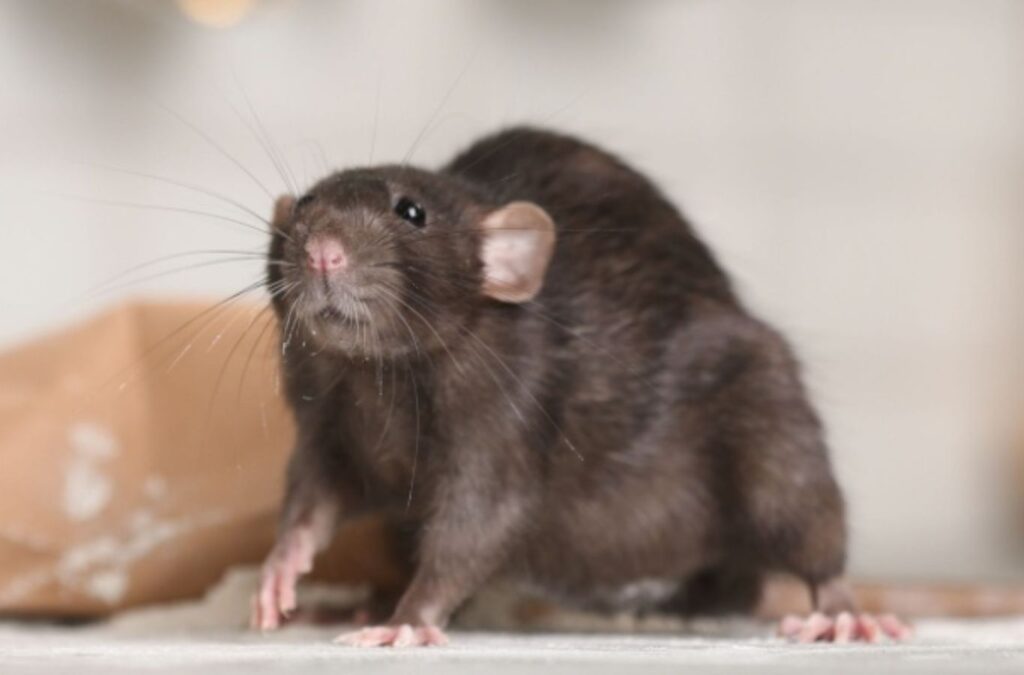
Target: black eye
(303, 201)
(409, 210)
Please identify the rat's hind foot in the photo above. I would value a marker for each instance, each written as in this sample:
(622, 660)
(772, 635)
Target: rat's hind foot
(402, 635)
(291, 558)
(844, 627)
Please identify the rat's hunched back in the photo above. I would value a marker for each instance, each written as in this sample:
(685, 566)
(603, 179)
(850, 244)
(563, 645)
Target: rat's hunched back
(621, 433)
(698, 450)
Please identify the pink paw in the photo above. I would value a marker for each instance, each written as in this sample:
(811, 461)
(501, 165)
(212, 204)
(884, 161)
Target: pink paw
(844, 627)
(289, 560)
(403, 635)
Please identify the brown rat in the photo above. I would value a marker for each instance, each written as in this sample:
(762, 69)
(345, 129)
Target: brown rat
(531, 362)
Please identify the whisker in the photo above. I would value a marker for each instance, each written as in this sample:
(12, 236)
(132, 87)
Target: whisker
(543, 121)
(177, 270)
(391, 410)
(220, 148)
(540, 407)
(394, 296)
(439, 108)
(162, 259)
(186, 186)
(469, 284)
(223, 370)
(169, 209)
(416, 441)
(268, 144)
(376, 118)
(210, 313)
(313, 144)
(267, 323)
(282, 289)
(273, 291)
(526, 390)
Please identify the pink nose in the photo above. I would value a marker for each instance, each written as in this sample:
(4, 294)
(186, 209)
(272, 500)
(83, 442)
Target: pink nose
(325, 255)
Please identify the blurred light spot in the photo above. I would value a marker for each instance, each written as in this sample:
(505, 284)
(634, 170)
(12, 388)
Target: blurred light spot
(216, 13)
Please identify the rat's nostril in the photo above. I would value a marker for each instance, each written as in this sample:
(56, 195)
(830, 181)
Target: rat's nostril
(325, 255)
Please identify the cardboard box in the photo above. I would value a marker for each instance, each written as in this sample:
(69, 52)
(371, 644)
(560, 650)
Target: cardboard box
(141, 455)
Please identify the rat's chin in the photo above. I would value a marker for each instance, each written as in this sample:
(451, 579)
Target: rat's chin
(331, 315)
(333, 322)
(333, 327)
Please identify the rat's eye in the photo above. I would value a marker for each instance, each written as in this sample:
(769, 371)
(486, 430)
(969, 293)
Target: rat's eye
(303, 201)
(409, 210)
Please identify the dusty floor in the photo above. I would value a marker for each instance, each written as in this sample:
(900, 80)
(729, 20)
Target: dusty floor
(206, 637)
(941, 648)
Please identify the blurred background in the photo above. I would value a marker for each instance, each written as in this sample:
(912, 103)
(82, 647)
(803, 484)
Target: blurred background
(857, 166)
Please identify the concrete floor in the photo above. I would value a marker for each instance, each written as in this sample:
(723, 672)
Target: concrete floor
(206, 636)
(941, 647)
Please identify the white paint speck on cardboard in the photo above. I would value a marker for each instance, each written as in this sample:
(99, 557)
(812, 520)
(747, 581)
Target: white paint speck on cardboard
(101, 567)
(87, 488)
(155, 487)
(108, 585)
(91, 440)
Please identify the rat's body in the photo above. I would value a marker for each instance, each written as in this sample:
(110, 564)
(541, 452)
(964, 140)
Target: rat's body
(616, 430)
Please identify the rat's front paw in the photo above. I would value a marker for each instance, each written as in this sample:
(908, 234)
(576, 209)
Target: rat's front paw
(844, 627)
(268, 607)
(276, 597)
(402, 635)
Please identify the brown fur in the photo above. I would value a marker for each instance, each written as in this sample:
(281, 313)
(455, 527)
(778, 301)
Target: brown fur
(632, 422)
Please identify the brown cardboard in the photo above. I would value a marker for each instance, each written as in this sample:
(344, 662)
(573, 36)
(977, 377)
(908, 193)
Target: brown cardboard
(141, 455)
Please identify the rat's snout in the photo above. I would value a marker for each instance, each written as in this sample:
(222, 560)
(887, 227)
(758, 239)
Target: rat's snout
(325, 255)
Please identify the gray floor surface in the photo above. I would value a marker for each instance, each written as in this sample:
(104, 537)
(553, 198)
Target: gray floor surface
(941, 647)
(206, 636)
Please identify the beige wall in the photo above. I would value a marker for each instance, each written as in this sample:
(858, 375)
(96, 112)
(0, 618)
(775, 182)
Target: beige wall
(859, 166)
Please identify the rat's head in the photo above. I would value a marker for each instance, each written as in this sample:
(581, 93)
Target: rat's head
(393, 260)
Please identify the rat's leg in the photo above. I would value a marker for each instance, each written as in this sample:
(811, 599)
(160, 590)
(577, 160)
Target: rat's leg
(808, 539)
(836, 619)
(806, 536)
(302, 536)
(465, 541)
(313, 501)
(809, 535)
(793, 516)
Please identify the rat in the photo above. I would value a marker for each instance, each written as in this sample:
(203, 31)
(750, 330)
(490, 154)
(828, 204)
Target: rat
(533, 366)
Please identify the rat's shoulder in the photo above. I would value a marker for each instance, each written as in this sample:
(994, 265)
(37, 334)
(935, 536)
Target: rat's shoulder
(551, 168)
(515, 149)
(523, 139)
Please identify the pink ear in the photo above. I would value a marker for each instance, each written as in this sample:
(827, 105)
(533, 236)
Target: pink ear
(518, 241)
(282, 210)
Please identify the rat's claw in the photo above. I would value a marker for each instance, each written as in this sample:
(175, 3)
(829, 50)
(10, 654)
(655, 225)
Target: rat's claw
(868, 629)
(843, 628)
(402, 635)
(405, 637)
(254, 611)
(817, 627)
(286, 591)
(790, 626)
(434, 636)
(290, 559)
(895, 628)
(265, 605)
(371, 636)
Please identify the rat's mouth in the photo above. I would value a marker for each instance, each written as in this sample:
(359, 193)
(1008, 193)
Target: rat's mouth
(333, 315)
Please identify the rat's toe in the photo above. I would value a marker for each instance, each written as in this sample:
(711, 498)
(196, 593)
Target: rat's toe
(394, 636)
(845, 628)
(895, 628)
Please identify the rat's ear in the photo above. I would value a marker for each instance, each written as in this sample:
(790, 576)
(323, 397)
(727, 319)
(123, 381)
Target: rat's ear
(517, 243)
(283, 210)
